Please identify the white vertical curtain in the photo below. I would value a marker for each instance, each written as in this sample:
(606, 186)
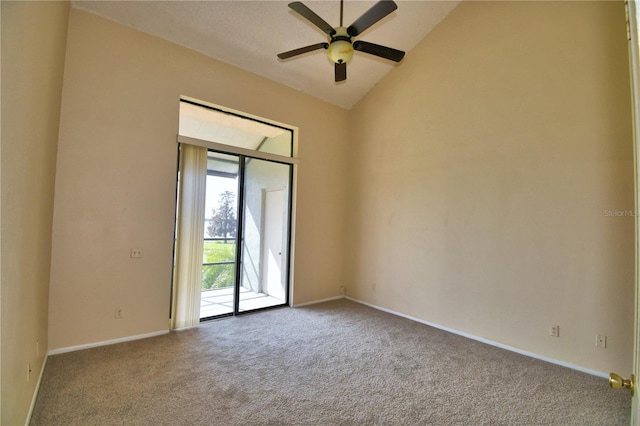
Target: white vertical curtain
(189, 236)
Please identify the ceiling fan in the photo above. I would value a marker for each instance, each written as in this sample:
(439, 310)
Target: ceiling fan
(340, 46)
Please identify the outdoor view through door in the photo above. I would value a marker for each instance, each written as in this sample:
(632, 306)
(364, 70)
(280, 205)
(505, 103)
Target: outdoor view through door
(247, 208)
(264, 220)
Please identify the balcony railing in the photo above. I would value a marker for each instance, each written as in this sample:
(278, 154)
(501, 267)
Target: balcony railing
(218, 273)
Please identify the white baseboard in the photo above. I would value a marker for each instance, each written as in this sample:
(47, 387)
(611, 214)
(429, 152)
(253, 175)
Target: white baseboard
(313, 302)
(36, 390)
(107, 342)
(380, 308)
(483, 340)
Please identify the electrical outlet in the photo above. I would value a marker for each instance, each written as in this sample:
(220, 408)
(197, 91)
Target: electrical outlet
(554, 331)
(373, 286)
(601, 341)
(343, 290)
(119, 313)
(137, 252)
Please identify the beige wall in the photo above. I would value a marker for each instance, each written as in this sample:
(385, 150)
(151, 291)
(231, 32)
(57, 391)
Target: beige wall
(482, 169)
(33, 51)
(115, 187)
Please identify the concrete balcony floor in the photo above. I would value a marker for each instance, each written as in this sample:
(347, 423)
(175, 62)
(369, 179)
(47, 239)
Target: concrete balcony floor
(220, 301)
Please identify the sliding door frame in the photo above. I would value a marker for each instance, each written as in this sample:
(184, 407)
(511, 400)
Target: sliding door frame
(240, 232)
(239, 235)
(236, 150)
(243, 155)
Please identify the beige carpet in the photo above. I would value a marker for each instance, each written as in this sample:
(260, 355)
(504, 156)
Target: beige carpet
(336, 363)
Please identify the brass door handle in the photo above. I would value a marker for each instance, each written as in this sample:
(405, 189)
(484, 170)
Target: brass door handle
(617, 382)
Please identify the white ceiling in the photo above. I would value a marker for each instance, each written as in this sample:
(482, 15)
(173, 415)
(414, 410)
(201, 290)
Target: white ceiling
(249, 34)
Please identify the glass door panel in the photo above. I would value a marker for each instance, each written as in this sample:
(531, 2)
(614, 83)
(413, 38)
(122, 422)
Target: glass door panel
(220, 233)
(265, 234)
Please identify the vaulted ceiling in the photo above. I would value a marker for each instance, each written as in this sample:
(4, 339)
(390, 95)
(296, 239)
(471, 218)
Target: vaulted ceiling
(249, 34)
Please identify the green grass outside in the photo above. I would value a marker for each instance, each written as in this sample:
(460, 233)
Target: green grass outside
(218, 276)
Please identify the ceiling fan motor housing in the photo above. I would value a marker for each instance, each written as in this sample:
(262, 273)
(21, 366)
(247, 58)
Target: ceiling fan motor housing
(340, 49)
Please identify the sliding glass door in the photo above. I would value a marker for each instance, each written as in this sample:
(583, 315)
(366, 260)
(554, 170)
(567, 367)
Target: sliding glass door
(219, 253)
(246, 235)
(265, 224)
(233, 214)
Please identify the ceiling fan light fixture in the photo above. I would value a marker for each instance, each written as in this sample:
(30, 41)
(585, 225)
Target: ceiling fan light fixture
(340, 51)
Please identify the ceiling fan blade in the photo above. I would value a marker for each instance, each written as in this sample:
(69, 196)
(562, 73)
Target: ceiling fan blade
(381, 51)
(371, 16)
(341, 71)
(300, 51)
(311, 16)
